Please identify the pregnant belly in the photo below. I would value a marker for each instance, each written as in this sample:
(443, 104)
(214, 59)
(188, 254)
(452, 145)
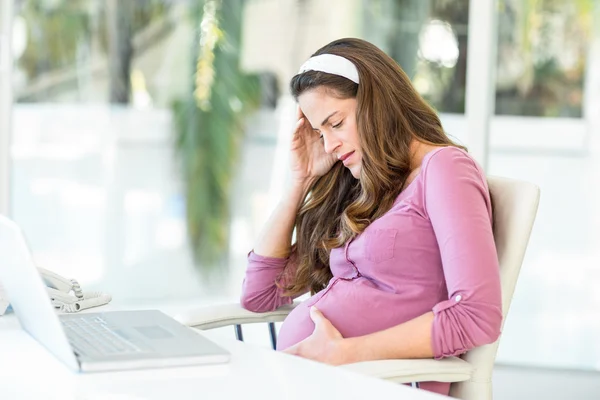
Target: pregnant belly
(355, 307)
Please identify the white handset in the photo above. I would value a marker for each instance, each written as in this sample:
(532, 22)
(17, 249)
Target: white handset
(65, 294)
(56, 281)
(59, 289)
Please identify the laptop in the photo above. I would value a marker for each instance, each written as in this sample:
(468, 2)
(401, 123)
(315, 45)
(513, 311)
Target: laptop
(93, 342)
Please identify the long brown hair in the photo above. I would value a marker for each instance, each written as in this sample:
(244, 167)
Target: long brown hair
(390, 114)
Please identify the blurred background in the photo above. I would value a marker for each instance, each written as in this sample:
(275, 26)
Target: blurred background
(143, 142)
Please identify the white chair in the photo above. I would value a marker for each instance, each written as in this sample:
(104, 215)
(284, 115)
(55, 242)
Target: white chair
(515, 206)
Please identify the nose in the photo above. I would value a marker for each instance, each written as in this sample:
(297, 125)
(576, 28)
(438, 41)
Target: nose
(330, 143)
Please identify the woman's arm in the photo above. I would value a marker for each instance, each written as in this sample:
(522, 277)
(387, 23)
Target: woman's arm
(275, 238)
(411, 339)
(308, 161)
(270, 265)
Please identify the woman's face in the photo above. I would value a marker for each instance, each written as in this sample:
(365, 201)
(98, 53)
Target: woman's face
(335, 120)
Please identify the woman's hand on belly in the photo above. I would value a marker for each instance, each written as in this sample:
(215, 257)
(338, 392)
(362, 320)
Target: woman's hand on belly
(325, 344)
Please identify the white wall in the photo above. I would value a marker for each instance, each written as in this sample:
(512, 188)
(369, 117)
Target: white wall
(5, 101)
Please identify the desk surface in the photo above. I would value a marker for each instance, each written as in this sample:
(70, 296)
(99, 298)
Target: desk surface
(28, 371)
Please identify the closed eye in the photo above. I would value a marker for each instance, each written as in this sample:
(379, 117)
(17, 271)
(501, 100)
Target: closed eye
(337, 125)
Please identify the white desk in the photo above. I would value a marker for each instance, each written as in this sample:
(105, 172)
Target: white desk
(28, 371)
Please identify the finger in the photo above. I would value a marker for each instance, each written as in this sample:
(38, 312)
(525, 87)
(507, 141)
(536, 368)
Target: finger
(299, 113)
(316, 315)
(298, 128)
(292, 350)
(323, 324)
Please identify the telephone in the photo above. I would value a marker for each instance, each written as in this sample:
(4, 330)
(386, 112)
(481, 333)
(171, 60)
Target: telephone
(65, 294)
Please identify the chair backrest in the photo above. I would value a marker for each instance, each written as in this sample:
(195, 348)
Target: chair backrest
(514, 205)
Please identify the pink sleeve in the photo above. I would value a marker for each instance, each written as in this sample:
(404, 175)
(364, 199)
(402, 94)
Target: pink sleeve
(259, 291)
(459, 207)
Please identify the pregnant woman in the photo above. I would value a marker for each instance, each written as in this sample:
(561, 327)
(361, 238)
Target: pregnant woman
(393, 223)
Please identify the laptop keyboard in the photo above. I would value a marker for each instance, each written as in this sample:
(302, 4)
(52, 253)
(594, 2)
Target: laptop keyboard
(93, 335)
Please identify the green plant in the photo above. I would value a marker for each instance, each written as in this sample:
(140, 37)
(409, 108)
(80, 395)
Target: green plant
(209, 127)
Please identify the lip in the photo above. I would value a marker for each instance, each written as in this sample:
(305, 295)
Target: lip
(343, 158)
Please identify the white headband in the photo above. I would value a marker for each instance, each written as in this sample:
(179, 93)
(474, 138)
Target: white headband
(331, 64)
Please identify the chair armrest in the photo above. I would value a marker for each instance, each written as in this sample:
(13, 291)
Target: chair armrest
(451, 369)
(217, 316)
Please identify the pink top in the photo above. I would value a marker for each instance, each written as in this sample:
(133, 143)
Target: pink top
(433, 251)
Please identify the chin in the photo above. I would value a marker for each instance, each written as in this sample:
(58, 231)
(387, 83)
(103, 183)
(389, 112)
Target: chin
(355, 171)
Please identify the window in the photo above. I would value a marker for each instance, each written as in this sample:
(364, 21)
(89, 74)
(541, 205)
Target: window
(542, 49)
(429, 41)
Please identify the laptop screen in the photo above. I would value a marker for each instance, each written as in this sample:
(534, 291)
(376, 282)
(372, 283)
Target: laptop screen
(27, 294)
